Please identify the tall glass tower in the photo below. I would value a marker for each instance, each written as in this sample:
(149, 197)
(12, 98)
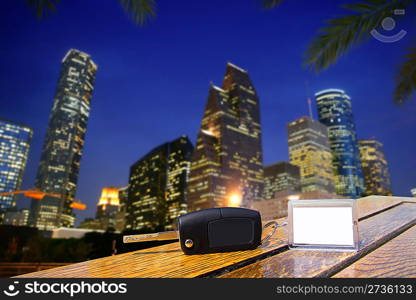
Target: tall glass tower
(15, 142)
(62, 150)
(227, 164)
(335, 111)
(157, 187)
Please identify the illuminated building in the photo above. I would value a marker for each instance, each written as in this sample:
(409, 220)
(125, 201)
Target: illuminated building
(281, 176)
(120, 217)
(107, 207)
(309, 149)
(16, 217)
(64, 142)
(43, 213)
(157, 187)
(90, 223)
(227, 164)
(375, 168)
(413, 191)
(15, 142)
(335, 111)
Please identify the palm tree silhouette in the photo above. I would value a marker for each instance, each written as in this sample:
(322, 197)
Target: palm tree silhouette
(340, 34)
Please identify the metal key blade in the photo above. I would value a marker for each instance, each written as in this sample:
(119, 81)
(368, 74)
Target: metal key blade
(158, 236)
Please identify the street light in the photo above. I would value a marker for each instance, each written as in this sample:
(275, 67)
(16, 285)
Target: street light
(235, 200)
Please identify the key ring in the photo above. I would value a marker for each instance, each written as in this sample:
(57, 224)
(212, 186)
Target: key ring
(275, 225)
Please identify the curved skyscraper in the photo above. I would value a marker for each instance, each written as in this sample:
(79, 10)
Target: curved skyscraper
(335, 111)
(157, 195)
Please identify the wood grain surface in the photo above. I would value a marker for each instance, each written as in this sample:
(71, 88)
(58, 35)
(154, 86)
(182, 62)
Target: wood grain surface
(370, 205)
(169, 261)
(396, 258)
(162, 261)
(308, 263)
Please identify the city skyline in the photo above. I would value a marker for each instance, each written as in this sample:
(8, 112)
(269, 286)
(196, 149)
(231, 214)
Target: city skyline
(282, 101)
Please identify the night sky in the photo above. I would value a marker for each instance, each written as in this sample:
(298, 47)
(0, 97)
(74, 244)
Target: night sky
(152, 81)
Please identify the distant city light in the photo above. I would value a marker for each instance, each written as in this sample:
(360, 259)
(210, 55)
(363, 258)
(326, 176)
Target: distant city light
(235, 200)
(208, 132)
(294, 197)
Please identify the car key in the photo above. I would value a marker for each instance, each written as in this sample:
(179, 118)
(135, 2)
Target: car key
(213, 230)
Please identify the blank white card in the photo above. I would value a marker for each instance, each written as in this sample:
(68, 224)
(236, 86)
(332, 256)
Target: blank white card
(323, 226)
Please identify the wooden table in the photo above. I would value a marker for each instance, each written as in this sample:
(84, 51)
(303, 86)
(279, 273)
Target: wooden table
(387, 227)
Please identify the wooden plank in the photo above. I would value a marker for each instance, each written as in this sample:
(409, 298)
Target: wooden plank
(162, 261)
(14, 269)
(396, 258)
(169, 261)
(370, 205)
(307, 263)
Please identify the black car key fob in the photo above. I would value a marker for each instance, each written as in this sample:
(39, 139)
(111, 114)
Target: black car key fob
(219, 230)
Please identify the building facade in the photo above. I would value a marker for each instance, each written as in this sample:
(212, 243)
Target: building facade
(157, 193)
(309, 150)
(16, 217)
(335, 111)
(227, 164)
(64, 142)
(120, 221)
(375, 168)
(281, 176)
(15, 142)
(107, 207)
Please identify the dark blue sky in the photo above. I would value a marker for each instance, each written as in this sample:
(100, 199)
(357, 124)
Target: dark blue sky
(152, 81)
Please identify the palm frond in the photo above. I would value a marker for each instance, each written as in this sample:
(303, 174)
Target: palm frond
(406, 78)
(267, 4)
(42, 7)
(139, 10)
(343, 32)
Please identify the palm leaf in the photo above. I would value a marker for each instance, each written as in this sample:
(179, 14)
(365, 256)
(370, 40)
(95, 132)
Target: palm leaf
(271, 3)
(42, 7)
(139, 10)
(343, 32)
(406, 78)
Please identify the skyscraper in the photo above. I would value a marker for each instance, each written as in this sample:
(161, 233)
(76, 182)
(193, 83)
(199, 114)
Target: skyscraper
(375, 168)
(281, 176)
(120, 221)
(63, 146)
(157, 186)
(107, 207)
(15, 142)
(335, 111)
(227, 164)
(309, 149)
